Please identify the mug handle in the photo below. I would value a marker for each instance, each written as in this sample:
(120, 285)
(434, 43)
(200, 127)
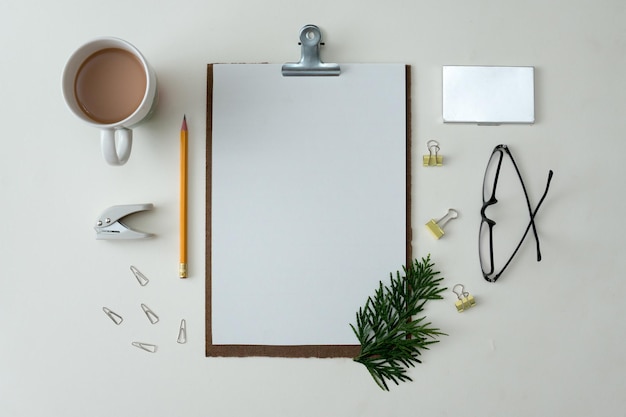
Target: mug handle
(116, 145)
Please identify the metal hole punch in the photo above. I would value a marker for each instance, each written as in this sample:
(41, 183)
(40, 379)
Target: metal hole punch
(433, 159)
(141, 278)
(109, 225)
(465, 300)
(436, 226)
(117, 319)
(148, 347)
(182, 332)
(150, 314)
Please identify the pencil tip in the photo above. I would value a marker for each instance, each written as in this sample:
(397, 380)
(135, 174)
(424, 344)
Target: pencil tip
(184, 126)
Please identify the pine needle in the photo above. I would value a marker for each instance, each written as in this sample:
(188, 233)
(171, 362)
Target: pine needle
(391, 336)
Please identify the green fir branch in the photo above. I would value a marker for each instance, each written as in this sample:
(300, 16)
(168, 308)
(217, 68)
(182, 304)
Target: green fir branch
(391, 336)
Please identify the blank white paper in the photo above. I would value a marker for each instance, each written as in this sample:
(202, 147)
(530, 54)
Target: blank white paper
(308, 207)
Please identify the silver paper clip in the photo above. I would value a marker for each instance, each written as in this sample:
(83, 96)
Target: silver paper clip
(433, 159)
(109, 225)
(145, 346)
(182, 332)
(141, 278)
(465, 299)
(310, 62)
(117, 319)
(150, 314)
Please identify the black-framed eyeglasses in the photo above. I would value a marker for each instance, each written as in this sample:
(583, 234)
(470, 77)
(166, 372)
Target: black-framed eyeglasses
(485, 234)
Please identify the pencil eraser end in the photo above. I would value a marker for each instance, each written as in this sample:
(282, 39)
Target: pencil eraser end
(182, 270)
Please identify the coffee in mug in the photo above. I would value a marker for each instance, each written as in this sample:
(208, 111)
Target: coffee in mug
(108, 84)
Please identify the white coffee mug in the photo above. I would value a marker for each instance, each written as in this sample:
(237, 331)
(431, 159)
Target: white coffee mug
(108, 84)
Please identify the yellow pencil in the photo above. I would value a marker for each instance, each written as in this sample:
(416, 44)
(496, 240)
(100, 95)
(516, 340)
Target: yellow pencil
(182, 267)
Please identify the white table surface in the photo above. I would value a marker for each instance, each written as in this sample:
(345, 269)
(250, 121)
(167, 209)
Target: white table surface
(546, 340)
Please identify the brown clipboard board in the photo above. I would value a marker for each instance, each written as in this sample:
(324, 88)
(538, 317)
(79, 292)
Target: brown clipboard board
(288, 351)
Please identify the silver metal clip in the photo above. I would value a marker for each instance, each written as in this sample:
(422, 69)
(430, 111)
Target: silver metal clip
(141, 278)
(310, 62)
(182, 332)
(150, 314)
(117, 319)
(110, 226)
(145, 346)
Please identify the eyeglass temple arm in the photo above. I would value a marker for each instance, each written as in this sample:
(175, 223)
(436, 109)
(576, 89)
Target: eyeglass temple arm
(530, 210)
(531, 223)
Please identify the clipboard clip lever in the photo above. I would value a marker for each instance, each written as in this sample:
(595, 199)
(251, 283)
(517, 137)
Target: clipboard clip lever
(109, 224)
(310, 63)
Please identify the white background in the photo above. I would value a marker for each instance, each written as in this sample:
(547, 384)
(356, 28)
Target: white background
(545, 340)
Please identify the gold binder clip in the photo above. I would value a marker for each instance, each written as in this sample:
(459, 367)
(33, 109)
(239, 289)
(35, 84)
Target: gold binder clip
(436, 226)
(465, 300)
(433, 159)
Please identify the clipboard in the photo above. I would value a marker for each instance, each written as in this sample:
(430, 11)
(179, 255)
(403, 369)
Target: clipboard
(308, 204)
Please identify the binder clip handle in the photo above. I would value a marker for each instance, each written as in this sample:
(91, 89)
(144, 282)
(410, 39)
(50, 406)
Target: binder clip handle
(462, 293)
(451, 214)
